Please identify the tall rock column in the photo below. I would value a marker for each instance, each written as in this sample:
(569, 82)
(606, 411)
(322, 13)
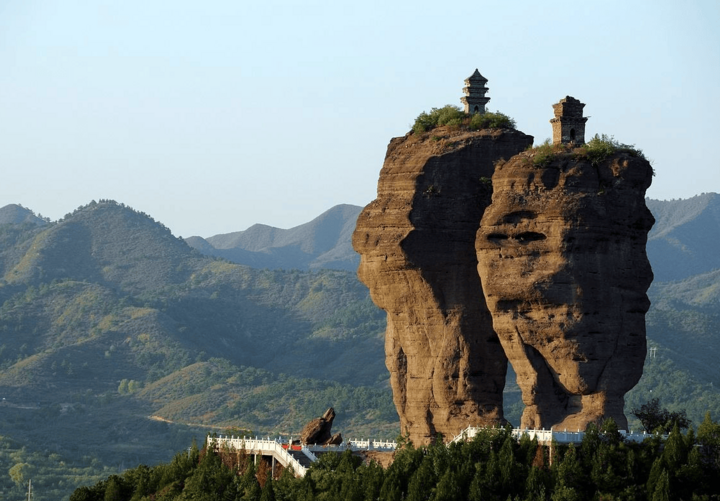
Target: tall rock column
(417, 248)
(562, 259)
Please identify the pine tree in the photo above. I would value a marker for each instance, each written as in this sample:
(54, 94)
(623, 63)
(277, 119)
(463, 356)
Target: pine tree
(268, 492)
(391, 489)
(708, 438)
(113, 490)
(653, 478)
(449, 488)
(662, 489)
(422, 481)
(372, 476)
(569, 474)
(511, 472)
(676, 450)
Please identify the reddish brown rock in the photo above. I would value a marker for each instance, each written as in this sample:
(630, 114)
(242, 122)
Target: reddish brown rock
(319, 430)
(417, 248)
(335, 439)
(562, 259)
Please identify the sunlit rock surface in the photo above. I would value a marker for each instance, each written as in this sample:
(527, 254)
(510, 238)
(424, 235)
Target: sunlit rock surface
(417, 247)
(562, 259)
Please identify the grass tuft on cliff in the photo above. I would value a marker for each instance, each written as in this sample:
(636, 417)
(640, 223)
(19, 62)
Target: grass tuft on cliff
(600, 147)
(453, 116)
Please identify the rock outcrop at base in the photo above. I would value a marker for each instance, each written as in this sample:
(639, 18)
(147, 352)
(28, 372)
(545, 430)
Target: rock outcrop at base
(417, 248)
(319, 430)
(562, 259)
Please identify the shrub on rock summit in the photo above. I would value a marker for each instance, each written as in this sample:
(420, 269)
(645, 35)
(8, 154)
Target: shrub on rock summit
(455, 117)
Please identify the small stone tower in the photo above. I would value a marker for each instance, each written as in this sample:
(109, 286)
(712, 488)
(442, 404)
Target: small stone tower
(569, 123)
(474, 99)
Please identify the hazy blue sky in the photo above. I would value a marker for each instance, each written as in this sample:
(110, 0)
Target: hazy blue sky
(211, 116)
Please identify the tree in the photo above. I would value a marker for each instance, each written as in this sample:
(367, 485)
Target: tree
(569, 475)
(114, 489)
(662, 488)
(268, 493)
(709, 439)
(20, 473)
(653, 417)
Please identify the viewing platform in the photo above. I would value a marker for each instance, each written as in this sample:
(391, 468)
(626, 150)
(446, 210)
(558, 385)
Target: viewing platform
(295, 456)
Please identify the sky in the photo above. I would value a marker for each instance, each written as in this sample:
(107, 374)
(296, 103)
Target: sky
(212, 116)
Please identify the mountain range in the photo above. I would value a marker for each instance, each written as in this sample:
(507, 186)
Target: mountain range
(324, 242)
(682, 242)
(111, 325)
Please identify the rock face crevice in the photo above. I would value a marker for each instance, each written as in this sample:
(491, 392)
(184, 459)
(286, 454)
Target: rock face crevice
(418, 258)
(561, 255)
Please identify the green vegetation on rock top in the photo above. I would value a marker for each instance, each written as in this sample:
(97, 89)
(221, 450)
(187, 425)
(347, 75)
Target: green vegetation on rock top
(595, 151)
(453, 116)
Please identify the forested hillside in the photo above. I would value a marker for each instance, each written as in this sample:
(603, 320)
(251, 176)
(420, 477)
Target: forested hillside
(112, 326)
(119, 343)
(685, 237)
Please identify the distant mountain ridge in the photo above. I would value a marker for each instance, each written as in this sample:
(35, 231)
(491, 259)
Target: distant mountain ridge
(324, 242)
(682, 243)
(17, 214)
(685, 238)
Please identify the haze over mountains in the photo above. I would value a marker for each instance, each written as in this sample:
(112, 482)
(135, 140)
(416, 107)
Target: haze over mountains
(324, 242)
(17, 214)
(682, 243)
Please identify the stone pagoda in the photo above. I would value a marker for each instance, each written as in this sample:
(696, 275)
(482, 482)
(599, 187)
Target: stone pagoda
(569, 123)
(474, 99)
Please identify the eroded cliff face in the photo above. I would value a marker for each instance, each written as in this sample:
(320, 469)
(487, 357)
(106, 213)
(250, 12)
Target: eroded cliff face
(562, 260)
(417, 246)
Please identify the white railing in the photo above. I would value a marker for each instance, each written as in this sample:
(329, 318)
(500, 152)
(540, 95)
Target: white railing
(357, 445)
(547, 436)
(261, 446)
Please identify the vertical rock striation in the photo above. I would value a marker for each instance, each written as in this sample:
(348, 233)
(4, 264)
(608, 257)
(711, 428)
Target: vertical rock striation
(417, 248)
(562, 260)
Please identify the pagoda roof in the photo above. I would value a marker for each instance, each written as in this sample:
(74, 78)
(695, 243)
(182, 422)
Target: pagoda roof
(477, 76)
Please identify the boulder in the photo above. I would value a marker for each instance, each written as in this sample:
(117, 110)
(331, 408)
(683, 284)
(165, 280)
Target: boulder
(335, 440)
(318, 431)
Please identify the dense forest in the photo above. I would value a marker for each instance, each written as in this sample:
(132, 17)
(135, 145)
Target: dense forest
(493, 466)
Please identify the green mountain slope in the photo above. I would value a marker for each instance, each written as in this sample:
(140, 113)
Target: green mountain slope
(112, 326)
(685, 237)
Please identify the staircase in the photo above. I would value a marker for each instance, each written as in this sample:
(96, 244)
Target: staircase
(301, 458)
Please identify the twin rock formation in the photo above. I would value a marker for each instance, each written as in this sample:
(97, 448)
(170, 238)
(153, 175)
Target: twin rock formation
(478, 261)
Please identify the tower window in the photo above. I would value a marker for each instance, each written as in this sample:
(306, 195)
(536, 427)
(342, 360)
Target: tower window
(477, 109)
(572, 134)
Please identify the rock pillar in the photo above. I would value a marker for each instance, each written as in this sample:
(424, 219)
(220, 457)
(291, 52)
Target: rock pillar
(562, 260)
(417, 248)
